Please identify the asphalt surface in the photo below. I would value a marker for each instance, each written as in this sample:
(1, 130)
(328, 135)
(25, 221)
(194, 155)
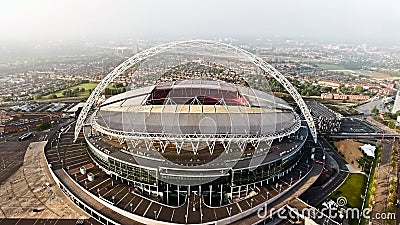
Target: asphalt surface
(386, 152)
(12, 151)
(367, 107)
(310, 195)
(90, 221)
(12, 154)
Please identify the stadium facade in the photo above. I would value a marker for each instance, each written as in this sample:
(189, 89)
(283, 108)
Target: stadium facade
(218, 151)
(204, 137)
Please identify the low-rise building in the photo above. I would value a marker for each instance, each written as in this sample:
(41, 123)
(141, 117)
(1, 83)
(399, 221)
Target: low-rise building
(344, 97)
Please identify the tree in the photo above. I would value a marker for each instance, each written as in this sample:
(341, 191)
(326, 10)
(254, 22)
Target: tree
(392, 124)
(37, 96)
(53, 96)
(342, 89)
(358, 89)
(326, 89)
(117, 85)
(107, 91)
(44, 126)
(375, 111)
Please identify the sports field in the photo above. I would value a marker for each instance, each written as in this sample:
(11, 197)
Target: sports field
(81, 94)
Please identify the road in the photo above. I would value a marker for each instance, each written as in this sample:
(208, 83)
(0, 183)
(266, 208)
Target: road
(367, 107)
(364, 135)
(310, 195)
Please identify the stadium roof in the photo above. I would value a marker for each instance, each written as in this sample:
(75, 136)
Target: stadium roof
(196, 107)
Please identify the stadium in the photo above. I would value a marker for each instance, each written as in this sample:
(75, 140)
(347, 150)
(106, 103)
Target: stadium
(187, 149)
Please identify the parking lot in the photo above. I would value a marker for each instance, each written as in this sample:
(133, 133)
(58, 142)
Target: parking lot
(353, 125)
(12, 153)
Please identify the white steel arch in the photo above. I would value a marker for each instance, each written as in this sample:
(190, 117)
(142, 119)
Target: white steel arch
(141, 56)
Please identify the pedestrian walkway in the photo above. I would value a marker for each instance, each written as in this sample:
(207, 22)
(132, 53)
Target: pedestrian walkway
(383, 173)
(353, 170)
(30, 193)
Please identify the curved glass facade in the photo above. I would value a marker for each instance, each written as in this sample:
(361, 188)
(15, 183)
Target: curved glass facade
(236, 182)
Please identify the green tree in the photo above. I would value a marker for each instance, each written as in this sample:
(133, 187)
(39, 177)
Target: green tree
(107, 91)
(392, 124)
(44, 126)
(326, 89)
(375, 111)
(117, 85)
(358, 89)
(37, 96)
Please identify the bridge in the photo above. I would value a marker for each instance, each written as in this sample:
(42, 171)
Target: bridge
(364, 135)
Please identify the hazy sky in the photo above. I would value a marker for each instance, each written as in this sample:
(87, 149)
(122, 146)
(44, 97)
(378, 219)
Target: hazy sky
(24, 20)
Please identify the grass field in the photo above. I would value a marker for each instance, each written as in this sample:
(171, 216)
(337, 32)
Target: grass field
(352, 189)
(84, 94)
(327, 66)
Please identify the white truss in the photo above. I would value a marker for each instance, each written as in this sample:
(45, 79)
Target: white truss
(227, 145)
(211, 146)
(135, 142)
(164, 145)
(135, 60)
(241, 144)
(178, 146)
(261, 143)
(195, 147)
(254, 139)
(149, 144)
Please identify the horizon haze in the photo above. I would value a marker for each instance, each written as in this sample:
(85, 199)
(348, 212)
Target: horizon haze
(351, 21)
